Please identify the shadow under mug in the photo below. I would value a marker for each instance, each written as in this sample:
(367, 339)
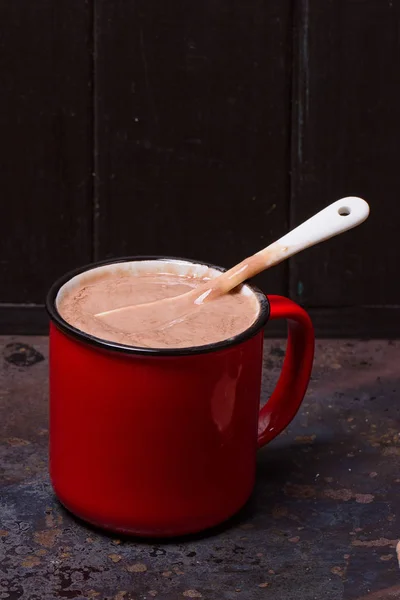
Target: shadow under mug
(163, 442)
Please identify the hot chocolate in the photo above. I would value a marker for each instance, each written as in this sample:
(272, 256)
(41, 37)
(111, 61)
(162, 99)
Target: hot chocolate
(105, 289)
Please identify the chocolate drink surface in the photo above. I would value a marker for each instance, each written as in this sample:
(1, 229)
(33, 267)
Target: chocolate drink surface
(217, 320)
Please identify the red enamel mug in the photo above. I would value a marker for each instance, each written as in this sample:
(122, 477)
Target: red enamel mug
(163, 442)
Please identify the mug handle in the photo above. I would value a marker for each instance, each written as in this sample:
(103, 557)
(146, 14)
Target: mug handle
(285, 400)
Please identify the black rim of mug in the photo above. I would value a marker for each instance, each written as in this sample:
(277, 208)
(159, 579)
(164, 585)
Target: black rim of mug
(86, 338)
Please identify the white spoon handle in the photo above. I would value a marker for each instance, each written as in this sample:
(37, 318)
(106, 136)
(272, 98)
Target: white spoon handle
(332, 220)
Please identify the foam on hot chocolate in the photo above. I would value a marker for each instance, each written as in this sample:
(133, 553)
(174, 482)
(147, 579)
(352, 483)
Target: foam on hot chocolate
(104, 289)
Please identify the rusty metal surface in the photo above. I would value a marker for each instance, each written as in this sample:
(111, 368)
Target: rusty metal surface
(323, 520)
(392, 593)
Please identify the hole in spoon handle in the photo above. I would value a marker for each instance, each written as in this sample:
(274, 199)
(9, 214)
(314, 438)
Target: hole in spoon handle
(344, 211)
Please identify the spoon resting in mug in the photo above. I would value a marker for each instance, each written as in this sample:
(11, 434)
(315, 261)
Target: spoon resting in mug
(333, 220)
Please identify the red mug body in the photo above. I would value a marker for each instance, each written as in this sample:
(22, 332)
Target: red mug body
(162, 442)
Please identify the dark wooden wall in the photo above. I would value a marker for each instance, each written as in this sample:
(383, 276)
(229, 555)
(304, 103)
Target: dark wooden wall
(203, 130)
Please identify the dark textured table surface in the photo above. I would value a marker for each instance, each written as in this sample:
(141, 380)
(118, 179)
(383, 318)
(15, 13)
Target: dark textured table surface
(324, 520)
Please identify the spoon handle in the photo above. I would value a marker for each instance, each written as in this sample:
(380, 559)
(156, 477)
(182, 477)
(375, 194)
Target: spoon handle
(336, 218)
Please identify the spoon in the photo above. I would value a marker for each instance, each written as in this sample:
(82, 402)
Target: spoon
(333, 220)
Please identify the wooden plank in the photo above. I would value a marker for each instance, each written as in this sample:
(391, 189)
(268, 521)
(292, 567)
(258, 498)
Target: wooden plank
(23, 319)
(45, 155)
(192, 131)
(346, 142)
(346, 322)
